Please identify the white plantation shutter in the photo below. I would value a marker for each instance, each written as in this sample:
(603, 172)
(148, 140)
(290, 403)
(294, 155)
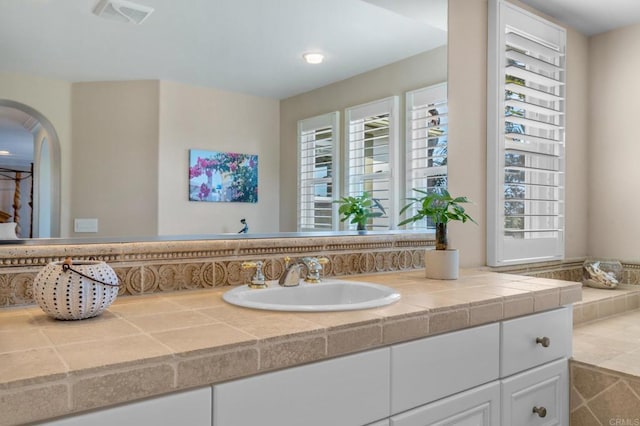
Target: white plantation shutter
(372, 156)
(318, 177)
(526, 135)
(427, 134)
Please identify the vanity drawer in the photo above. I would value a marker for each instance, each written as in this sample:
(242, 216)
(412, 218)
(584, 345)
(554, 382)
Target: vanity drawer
(352, 390)
(429, 369)
(533, 340)
(545, 389)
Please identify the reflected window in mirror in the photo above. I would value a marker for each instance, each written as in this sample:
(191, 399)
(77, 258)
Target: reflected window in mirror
(318, 160)
(372, 157)
(427, 123)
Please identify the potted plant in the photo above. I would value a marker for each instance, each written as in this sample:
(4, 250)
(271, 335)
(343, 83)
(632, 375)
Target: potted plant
(441, 208)
(359, 209)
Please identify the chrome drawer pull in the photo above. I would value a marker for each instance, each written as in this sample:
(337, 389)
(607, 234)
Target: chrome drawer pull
(544, 341)
(540, 411)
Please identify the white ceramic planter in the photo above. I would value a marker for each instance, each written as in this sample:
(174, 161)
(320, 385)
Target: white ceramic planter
(441, 264)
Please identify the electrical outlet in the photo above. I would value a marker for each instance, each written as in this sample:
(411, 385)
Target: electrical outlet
(85, 225)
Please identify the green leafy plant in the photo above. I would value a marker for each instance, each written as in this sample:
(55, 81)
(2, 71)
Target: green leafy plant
(441, 208)
(359, 209)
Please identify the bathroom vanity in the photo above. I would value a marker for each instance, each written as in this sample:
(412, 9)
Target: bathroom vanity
(488, 375)
(488, 346)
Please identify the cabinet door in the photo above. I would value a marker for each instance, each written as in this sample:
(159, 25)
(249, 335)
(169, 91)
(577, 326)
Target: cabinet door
(352, 390)
(477, 407)
(384, 422)
(433, 368)
(191, 408)
(537, 397)
(535, 339)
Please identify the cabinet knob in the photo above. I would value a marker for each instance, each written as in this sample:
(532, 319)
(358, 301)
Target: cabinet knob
(540, 411)
(544, 341)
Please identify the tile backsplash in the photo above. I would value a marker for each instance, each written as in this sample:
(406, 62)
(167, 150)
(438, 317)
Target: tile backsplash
(151, 267)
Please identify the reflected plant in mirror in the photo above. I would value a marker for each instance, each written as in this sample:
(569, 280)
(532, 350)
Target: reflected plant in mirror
(359, 210)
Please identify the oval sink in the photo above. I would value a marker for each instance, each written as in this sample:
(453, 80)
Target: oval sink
(329, 295)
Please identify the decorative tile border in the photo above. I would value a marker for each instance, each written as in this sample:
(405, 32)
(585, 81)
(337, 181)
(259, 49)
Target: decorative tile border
(153, 267)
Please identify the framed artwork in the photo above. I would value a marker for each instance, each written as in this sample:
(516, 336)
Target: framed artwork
(223, 176)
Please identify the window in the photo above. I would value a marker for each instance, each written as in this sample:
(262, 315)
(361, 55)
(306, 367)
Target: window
(318, 141)
(525, 161)
(427, 129)
(372, 155)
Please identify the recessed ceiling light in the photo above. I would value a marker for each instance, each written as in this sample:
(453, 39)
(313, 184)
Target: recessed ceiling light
(313, 58)
(3, 152)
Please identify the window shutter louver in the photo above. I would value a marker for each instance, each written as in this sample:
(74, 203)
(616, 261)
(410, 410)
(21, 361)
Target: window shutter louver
(318, 175)
(526, 155)
(427, 149)
(371, 151)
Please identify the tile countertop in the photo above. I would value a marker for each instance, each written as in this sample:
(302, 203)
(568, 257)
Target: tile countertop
(150, 345)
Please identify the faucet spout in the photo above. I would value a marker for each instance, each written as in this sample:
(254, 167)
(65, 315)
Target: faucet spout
(293, 272)
(291, 275)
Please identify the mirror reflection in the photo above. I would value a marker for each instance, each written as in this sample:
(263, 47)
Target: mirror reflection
(100, 102)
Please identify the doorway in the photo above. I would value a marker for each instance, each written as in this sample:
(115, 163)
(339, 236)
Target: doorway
(29, 171)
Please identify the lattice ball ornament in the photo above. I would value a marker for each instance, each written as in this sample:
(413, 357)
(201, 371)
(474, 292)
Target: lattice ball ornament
(75, 290)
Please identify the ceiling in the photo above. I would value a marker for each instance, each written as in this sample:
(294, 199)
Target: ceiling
(247, 46)
(591, 16)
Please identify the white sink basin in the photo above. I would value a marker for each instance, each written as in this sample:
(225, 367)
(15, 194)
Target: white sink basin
(329, 295)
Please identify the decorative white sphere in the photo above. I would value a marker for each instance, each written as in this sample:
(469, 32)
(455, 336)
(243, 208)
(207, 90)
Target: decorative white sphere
(63, 293)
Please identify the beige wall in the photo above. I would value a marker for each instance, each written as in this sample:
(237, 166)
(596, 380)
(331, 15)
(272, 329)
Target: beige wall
(577, 193)
(52, 99)
(115, 156)
(613, 172)
(215, 120)
(418, 71)
(468, 123)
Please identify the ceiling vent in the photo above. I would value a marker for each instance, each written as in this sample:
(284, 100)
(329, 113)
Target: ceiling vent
(122, 11)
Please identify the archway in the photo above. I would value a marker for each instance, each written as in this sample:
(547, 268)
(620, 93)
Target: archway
(46, 171)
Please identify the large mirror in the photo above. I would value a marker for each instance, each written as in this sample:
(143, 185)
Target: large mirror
(100, 102)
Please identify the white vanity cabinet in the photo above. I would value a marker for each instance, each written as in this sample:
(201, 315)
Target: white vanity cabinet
(516, 372)
(533, 340)
(428, 369)
(537, 397)
(192, 408)
(351, 390)
(511, 373)
(534, 368)
(476, 407)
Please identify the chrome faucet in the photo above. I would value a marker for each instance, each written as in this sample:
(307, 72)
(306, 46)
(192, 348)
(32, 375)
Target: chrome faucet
(292, 273)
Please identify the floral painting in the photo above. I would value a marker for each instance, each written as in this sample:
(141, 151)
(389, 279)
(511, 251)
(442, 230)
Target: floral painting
(223, 176)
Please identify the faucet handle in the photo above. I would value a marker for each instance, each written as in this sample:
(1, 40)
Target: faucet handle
(314, 267)
(258, 280)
